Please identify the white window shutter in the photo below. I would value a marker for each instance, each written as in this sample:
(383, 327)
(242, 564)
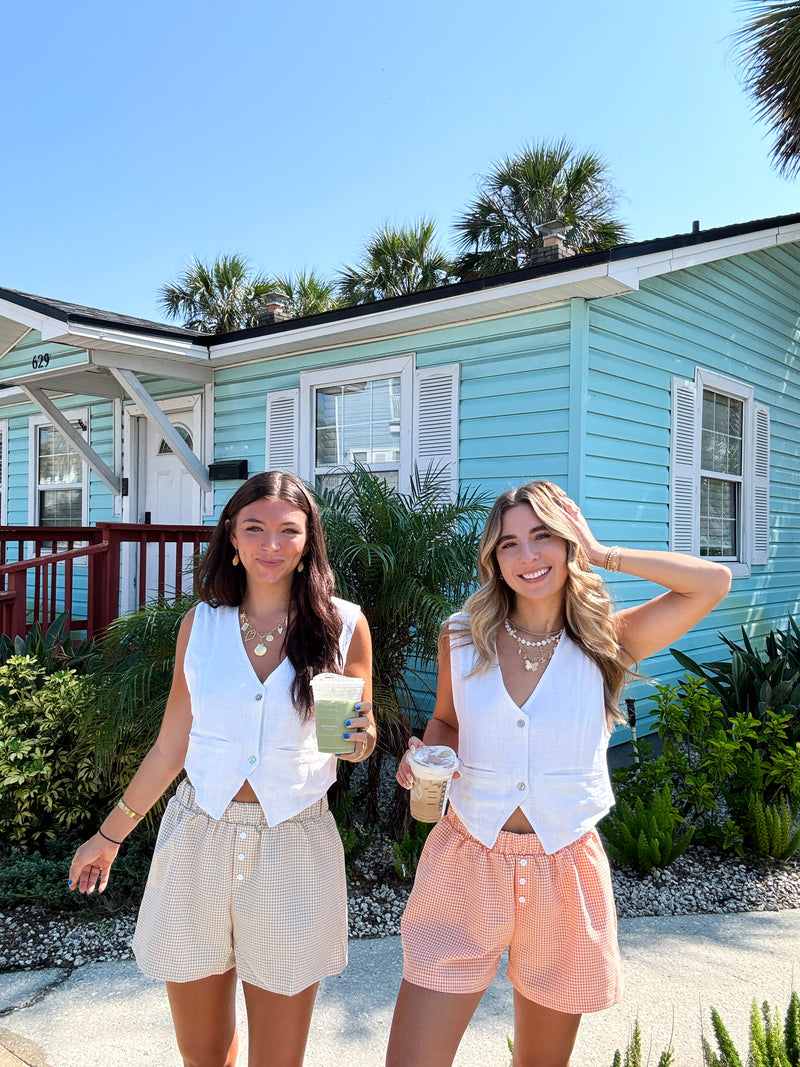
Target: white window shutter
(435, 430)
(761, 523)
(684, 494)
(283, 409)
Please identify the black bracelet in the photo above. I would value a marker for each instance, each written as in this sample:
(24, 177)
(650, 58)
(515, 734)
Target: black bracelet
(109, 839)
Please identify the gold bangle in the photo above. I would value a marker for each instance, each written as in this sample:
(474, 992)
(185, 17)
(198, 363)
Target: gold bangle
(612, 560)
(129, 811)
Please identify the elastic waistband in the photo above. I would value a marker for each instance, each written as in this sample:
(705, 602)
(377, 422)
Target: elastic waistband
(508, 843)
(242, 812)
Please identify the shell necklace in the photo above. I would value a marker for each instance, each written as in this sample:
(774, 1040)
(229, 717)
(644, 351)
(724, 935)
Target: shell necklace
(250, 632)
(548, 646)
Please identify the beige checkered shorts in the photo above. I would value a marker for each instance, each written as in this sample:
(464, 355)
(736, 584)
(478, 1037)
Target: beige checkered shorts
(270, 901)
(554, 913)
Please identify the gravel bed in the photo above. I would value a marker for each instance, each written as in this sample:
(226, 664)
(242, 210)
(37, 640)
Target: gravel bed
(700, 882)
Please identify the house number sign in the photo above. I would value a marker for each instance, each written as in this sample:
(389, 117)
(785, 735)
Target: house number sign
(40, 362)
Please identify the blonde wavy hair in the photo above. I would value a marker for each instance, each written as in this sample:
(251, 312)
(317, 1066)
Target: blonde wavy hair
(587, 603)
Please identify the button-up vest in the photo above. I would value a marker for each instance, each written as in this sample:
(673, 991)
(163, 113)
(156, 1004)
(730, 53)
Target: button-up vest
(247, 730)
(547, 757)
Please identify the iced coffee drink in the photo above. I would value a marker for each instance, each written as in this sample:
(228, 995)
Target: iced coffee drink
(433, 767)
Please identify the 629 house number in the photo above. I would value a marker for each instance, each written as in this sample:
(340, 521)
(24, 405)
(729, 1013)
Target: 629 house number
(40, 362)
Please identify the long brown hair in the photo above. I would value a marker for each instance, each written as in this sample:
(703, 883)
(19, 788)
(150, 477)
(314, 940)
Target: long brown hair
(312, 636)
(587, 603)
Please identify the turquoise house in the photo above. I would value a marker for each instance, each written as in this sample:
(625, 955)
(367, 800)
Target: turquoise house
(658, 382)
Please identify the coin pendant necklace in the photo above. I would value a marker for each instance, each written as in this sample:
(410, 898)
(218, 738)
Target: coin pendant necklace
(250, 632)
(533, 661)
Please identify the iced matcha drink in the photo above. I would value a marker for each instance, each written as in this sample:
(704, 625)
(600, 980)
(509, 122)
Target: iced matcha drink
(335, 697)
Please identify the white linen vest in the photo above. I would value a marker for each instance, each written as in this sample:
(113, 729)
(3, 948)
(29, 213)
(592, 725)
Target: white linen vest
(547, 757)
(247, 730)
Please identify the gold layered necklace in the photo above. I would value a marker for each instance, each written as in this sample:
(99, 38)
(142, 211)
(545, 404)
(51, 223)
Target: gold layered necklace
(534, 660)
(250, 632)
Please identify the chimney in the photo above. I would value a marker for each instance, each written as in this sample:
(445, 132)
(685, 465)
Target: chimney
(554, 245)
(274, 309)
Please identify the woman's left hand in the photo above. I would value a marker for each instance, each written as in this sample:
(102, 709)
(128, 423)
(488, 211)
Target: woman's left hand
(360, 729)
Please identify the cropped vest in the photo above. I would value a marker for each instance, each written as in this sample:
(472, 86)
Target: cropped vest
(547, 757)
(247, 730)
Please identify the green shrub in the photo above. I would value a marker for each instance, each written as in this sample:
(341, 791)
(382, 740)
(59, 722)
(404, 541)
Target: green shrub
(408, 851)
(645, 835)
(633, 1052)
(772, 1043)
(49, 783)
(355, 838)
(53, 648)
(773, 829)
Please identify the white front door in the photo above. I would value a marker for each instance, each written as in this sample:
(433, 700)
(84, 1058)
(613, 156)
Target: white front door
(165, 495)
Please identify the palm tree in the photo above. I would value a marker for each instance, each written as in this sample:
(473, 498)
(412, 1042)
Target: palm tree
(769, 45)
(409, 560)
(217, 297)
(396, 262)
(306, 292)
(544, 182)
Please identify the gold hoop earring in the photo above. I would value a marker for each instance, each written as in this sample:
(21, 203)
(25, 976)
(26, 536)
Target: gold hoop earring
(300, 566)
(235, 559)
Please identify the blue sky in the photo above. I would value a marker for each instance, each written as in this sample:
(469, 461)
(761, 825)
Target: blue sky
(134, 138)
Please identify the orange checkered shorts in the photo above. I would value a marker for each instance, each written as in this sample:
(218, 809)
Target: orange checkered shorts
(555, 914)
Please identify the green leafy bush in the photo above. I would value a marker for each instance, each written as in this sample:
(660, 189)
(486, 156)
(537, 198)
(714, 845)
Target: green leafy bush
(355, 838)
(773, 829)
(49, 782)
(646, 835)
(53, 648)
(408, 851)
(773, 1043)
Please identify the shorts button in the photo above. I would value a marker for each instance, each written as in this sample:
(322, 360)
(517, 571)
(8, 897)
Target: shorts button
(241, 857)
(259, 696)
(521, 881)
(520, 786)
(252, 759)
(520, 722)
(239, 877)
(521, 899)
(243, 835)
(522, 863)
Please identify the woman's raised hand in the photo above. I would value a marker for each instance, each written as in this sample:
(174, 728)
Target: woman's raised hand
(595, 552)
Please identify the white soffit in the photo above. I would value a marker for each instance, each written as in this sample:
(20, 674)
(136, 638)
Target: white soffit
(11, 333)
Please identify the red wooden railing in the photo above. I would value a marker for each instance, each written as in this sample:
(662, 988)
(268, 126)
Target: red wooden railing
(39, 583)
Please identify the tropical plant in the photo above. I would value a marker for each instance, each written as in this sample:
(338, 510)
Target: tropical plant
(544, 182)
(409, 560)
(217, 297)
(53, 648)
(774, 830)
(754, 682)
(48, 781)
(646, 835)
(306, 293)
(396, 262)
(773, 1042)
(139, 652)
(769, 48)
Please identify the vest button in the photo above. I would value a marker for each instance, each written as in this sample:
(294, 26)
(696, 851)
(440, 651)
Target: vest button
(520, 786)
(259, 696)
(520, 722)
(252, 759)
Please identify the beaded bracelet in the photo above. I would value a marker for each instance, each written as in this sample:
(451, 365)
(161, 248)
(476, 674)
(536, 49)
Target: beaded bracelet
(129, 811)
(612, 560)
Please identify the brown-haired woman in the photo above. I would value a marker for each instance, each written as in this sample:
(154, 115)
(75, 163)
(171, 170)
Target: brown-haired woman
(248, 873)
(530, 675)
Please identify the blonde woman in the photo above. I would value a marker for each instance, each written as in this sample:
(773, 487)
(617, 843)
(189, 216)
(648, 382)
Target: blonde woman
(530, 675)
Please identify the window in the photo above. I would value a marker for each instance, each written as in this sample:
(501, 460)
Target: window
(60, 475)
(719, 471)
(387, 415)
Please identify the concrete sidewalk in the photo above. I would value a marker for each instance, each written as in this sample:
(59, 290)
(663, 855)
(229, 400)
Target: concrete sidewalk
(109, 1015)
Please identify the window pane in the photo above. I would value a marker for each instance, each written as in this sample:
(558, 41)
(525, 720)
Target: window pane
(358, 421)
(59, 463)
(721, 442)
(330, 481)
(60, 507)
(719, 514)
